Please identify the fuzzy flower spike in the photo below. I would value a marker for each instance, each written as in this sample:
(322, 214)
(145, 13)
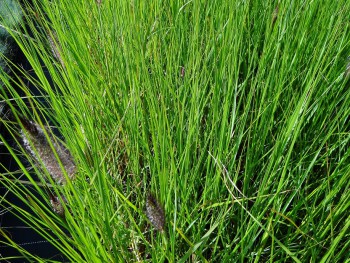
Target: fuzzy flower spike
(37, 144)
(155, 213)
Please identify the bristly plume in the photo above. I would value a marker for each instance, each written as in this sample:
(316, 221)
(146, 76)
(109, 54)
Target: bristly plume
(37, 144)
(155, 213)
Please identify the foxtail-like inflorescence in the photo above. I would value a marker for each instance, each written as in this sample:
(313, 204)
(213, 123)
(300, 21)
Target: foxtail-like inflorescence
(42, 148)
(155, 213)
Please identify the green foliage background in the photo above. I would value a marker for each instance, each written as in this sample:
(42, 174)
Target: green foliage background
(234, 114)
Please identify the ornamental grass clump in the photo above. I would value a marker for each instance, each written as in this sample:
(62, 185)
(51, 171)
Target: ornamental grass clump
(237, 113)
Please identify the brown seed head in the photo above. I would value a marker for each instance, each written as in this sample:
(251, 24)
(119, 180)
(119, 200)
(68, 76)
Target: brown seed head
(155, 213)
(37, 144)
